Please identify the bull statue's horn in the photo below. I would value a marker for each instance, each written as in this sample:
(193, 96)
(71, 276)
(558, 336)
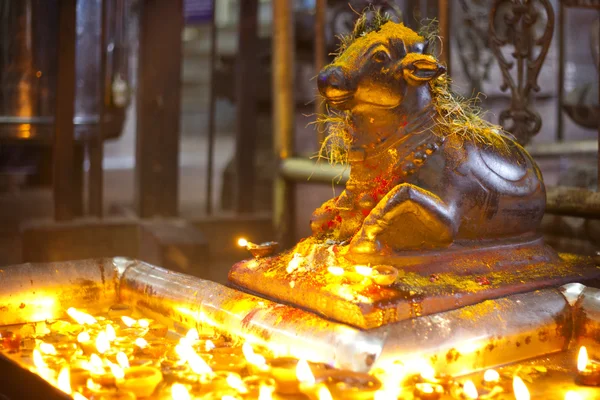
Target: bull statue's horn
(426, 46)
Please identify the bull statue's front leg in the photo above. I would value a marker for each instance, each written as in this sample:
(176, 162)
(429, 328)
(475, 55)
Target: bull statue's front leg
(408, 217)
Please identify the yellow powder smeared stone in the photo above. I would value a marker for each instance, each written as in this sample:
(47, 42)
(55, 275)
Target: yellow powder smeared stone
(397, 31)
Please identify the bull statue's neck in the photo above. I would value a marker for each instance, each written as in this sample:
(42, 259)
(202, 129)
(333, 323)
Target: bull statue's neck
(373, 126)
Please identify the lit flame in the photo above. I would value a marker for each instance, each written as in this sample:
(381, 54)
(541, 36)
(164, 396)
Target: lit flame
(47, 348)
(304, 374)
(520, 389)
(102, 343)
(143, 323)
(572, 395)
(363, 270)
(265, 392)
(582, 359)
(38, 360)
(111, 335)
(128, 321)
(236, 383)
(252, 357)
(83, 337)
(93, 386)
(209, 345)
(179, 392)
(64, 380)
(192, 335)
(227, 397)
(242, 242)
(80, 317)
(116, 370)
(141, 343)
(122, 360)
(183, 349)
(385, 395)
(427, 372)
(470, 390)
(323, 393)
(426, 388)
(337, 271)
(197, 364)
(491, 375)
(79, 396)
(392, 374)
(96, 365)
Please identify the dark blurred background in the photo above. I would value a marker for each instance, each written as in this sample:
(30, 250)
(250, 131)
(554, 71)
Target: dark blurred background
(195, 236)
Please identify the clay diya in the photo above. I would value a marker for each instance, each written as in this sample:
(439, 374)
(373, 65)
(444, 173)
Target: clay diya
(142, 381)
(349, 385)
(384, 275)
(284, 371)
(259, 250)
(588, 372)
(428, 391)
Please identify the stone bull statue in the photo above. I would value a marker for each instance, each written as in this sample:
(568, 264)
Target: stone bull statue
(441, 207)
(426, 171)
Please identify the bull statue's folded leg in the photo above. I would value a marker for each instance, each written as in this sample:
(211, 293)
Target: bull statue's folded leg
(324, 219)
(408, 217)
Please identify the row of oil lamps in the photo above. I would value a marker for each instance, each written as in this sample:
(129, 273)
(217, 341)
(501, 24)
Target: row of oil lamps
(119, 363)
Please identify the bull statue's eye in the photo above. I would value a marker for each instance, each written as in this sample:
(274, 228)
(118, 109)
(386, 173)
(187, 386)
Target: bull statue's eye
(380, 56)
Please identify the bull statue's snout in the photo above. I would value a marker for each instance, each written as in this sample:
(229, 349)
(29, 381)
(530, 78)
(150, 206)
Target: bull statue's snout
(335, 84)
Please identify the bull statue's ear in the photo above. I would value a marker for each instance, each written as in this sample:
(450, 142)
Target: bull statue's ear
(420, 68)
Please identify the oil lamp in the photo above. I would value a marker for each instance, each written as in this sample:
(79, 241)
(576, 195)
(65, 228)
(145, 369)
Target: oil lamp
(347, 385)
(175, 372)
(265, 392)
(335, 270)
(220, 382)
(64, 380)
(102, 343)
(122, 360)
(47, 348)
(85, 342)
(259, 250)
(159, 330)
(227, 359)
(469, 390)
(384, 275)
(81, 317)
(491, 378)
(520, 389)
(99, 373)
(180, 392)
(257, 384)
(235, 382)
(588, 372)
(256, 362)
(573, 395)
(320, 392)
(359, 274)
(305, 378)
(142, 381)
(197, 364)
(428, 391)
(127, 321)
